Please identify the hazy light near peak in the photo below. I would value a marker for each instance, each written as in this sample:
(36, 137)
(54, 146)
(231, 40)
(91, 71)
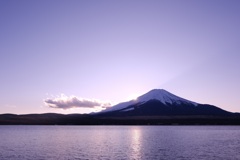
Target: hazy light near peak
(133, 96)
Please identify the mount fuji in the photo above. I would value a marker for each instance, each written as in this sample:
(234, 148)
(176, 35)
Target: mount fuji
(159, 102)
(156, 107)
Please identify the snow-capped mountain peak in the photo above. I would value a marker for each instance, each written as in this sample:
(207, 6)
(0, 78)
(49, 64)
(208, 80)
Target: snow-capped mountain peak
(161, 95)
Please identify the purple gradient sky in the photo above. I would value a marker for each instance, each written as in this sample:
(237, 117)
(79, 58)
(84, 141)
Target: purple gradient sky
(114, 50)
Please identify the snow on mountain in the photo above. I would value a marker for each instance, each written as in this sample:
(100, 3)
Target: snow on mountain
(156, 94)
(120, 106)
(164, 97)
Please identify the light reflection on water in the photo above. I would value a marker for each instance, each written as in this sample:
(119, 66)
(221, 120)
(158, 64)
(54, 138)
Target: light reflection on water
(136, 144)
(119, 142)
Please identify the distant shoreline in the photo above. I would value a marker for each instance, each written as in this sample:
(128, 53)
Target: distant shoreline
(86, 119)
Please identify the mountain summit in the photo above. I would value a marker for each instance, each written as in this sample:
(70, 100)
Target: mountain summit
(163, 96)
(159, 102)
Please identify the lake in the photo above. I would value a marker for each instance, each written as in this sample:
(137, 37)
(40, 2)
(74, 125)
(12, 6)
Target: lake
(119, 142)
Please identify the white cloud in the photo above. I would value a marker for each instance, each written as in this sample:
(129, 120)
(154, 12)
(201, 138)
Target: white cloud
(65, 102)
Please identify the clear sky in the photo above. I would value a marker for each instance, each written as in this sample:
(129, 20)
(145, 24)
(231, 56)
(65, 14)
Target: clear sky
(96, 52)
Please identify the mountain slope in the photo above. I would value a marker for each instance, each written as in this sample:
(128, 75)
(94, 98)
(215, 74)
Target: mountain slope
(159, 102)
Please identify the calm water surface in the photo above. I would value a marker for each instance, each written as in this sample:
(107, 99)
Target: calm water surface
(119, 142)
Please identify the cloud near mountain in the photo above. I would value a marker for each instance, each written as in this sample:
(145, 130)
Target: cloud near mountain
(64, 102)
